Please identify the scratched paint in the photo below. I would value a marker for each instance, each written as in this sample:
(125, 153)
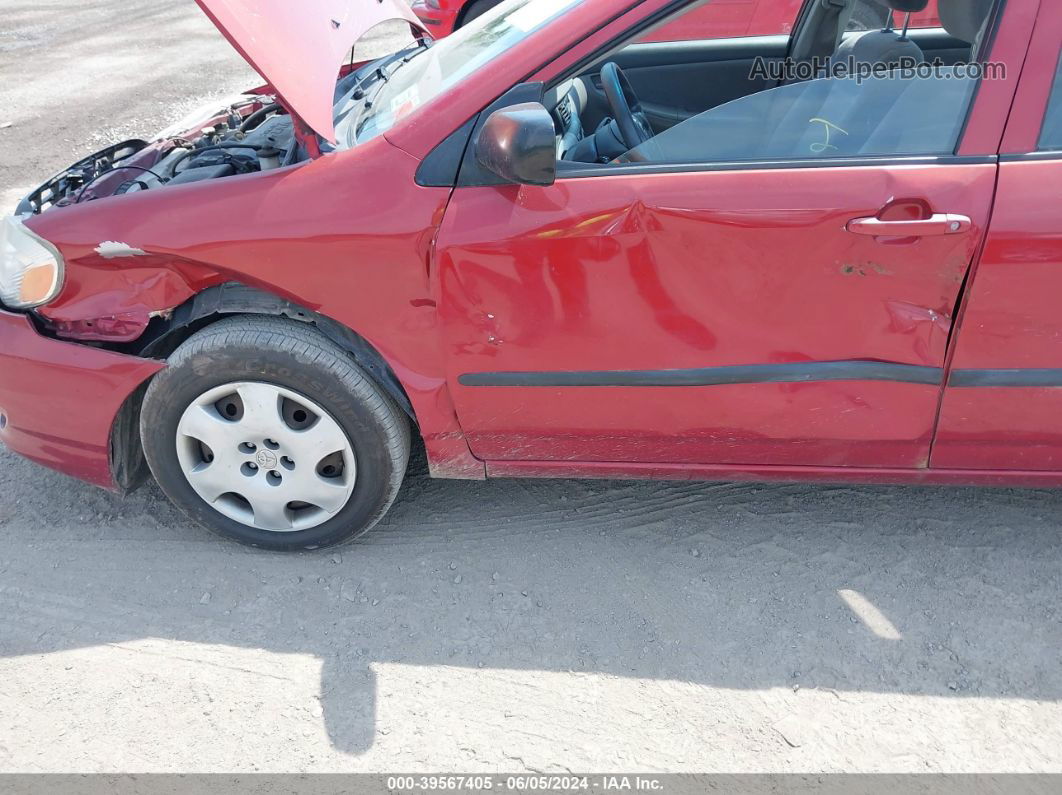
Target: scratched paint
(112, 249)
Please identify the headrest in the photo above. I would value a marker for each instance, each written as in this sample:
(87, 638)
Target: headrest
(965, 19)
(878, 47)
(907, 6)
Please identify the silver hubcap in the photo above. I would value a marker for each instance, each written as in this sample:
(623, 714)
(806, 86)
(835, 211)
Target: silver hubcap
(266, 457)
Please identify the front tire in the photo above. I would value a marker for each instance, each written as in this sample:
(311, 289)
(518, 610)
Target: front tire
(265, 432)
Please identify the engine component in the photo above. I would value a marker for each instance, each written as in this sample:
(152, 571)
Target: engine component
(228, 144)
(202, 172)
(276, 132)
(66, 184)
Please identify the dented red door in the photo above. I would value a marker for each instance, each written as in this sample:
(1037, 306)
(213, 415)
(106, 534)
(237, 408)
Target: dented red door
(708, 317)
(720, 315)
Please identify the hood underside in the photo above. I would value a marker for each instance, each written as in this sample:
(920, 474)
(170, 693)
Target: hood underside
(299, 46)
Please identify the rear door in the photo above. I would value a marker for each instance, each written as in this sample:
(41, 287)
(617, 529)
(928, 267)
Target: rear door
(1002, 409)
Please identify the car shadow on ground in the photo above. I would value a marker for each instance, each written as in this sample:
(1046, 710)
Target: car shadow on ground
(928, 591)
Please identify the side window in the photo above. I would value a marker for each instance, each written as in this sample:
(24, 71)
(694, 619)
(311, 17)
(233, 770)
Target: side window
(729, 19)
(828, 118)
(1051, 134)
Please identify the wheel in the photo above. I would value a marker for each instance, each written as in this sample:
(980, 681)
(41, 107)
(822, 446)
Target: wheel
(477, 9)
(265, 432)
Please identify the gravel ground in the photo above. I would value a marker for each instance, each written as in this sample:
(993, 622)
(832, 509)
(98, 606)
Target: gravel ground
(503, 626)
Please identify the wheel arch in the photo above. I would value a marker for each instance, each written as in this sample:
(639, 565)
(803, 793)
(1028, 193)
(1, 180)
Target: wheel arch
(232, 298)
(165, 335)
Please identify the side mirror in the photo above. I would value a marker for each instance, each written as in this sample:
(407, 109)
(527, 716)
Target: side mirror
(519, 144)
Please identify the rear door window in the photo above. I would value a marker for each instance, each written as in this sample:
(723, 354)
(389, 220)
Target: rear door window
(1051, 134)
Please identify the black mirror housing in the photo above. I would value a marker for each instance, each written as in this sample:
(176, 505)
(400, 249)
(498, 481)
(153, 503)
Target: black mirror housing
(519, 145)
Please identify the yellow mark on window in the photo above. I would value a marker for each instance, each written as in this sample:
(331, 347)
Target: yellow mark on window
(828, 128)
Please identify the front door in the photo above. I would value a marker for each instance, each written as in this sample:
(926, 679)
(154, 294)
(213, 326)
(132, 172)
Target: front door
(770, 282)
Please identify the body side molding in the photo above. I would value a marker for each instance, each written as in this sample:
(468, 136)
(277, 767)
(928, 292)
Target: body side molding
(797, 372)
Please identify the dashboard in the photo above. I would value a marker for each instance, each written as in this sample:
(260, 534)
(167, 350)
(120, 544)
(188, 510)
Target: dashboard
(567, 102)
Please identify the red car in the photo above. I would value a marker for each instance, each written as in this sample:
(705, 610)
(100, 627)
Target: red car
(716, 20)
(443, 17)
(538, 252)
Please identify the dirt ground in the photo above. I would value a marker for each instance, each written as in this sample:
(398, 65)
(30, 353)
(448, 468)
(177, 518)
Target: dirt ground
(504, 626)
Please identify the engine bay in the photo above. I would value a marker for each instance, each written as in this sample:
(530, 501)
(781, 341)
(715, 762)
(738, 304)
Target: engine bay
(249, 136)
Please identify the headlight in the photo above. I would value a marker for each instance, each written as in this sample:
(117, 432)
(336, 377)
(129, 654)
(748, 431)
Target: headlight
(31, 269)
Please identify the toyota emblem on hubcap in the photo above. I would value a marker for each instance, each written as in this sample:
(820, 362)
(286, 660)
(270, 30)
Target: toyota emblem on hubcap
(266, 459)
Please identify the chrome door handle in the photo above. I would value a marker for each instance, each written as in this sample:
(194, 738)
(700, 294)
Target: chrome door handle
(939, 224)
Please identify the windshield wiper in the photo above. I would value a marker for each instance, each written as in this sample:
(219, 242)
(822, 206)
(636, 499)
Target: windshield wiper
(380, 72)
(398, 60)
(360, 98)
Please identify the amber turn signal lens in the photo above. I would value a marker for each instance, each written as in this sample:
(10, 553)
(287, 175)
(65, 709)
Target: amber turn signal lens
(31, 268)
(38, 284)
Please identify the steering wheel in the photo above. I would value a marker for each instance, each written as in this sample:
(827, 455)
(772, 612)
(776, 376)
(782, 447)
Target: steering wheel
(627, 110)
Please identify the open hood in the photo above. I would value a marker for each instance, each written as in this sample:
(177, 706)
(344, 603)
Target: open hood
(298, 46)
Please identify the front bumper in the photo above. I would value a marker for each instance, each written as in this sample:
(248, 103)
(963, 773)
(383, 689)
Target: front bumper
(440, 22)
(59, 400)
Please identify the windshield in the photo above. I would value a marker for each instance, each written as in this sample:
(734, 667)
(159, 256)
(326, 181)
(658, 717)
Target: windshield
(417, 80)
